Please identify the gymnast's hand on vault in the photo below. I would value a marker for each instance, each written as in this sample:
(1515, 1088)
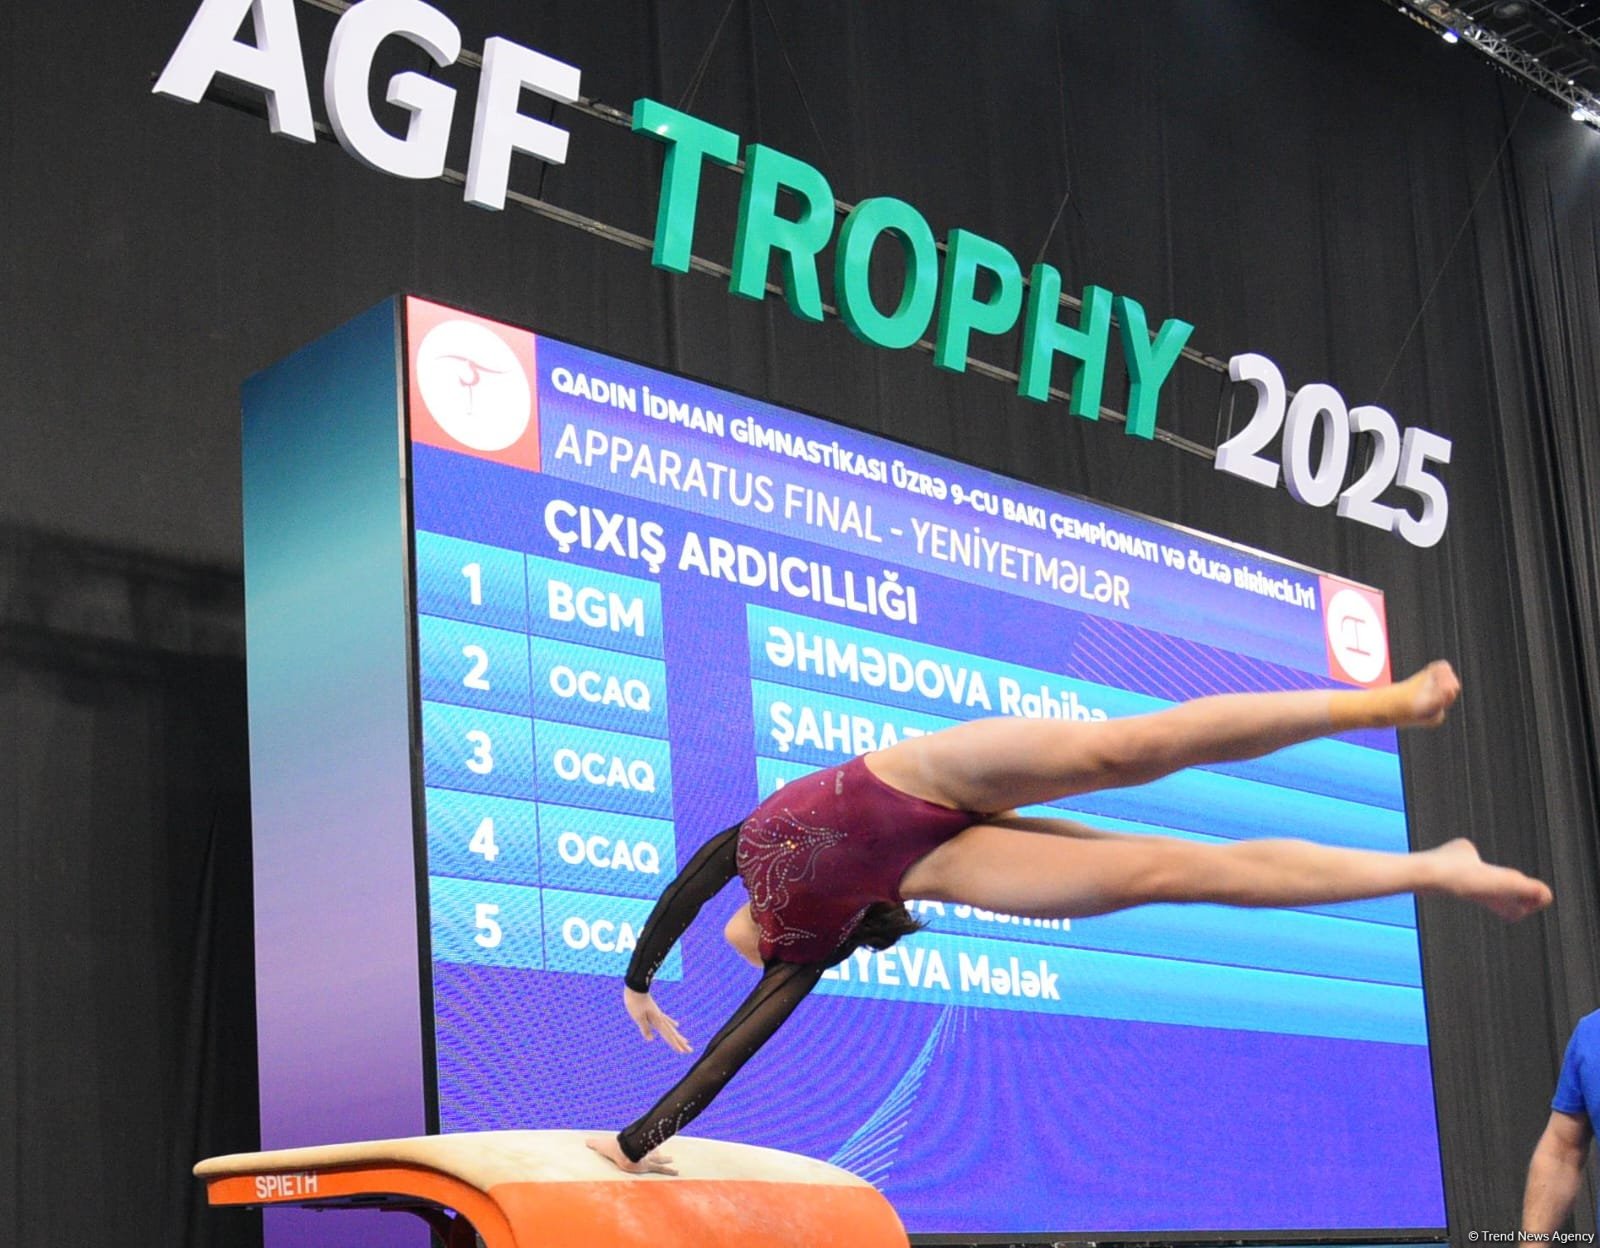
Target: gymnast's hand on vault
(650, 1163)
(652, 1020)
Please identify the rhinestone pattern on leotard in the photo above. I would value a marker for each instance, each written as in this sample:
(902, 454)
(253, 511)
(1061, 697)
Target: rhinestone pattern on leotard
(774, 853)
(820, 851)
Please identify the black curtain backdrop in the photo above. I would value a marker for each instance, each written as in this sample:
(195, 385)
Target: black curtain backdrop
(1324, 183)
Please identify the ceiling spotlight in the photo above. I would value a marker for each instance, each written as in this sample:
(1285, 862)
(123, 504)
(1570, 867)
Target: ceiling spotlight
(1510, 10)
(1450, 36)
(1583, 114)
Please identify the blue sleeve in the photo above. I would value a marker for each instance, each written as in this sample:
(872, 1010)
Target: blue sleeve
(1569, 1097)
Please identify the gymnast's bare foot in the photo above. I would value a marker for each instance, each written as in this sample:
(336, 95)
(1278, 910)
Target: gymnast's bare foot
(1429, 694)
(1509, 893)
(1419, 701)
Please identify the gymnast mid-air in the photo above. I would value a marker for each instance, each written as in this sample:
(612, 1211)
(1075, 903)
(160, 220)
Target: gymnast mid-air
(829, 859)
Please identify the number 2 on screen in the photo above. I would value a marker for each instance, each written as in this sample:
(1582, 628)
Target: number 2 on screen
(480, 664)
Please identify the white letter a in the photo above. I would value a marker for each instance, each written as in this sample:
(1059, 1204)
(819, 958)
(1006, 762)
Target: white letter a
(274, 64)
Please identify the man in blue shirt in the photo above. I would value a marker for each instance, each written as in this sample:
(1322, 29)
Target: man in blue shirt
(1556, 1172)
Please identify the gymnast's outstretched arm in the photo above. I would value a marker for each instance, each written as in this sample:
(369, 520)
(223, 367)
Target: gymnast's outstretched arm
(783, 986)
(713, 865)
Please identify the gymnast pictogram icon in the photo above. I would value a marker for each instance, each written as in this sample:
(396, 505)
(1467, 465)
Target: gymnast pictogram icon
(1358, 649)
(474, 386)
(471, 373)
(1351, 626)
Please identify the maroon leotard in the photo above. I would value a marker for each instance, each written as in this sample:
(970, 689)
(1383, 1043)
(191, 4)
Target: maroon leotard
(814, 856)
(823, 848)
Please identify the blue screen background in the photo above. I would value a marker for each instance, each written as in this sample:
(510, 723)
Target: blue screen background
(1205, 1070)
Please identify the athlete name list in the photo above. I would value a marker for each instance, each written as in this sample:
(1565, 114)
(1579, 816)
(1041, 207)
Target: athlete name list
(547, 753)
(547, 762)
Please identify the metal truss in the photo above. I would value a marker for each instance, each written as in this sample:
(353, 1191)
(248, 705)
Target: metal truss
(1458, 22)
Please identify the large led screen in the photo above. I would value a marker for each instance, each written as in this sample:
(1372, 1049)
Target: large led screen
(643, 603)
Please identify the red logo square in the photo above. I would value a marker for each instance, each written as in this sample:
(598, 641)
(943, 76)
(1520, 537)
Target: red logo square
(472, 385)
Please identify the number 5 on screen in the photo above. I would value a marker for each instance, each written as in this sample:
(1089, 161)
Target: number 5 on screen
(489, 934)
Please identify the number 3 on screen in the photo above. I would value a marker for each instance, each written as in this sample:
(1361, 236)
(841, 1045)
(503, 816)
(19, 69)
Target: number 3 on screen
(1397, 459)
(481, 762)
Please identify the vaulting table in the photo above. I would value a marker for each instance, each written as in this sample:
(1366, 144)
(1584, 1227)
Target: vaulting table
(518, 1189)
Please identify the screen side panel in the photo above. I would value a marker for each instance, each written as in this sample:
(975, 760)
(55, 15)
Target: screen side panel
(330, 753)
